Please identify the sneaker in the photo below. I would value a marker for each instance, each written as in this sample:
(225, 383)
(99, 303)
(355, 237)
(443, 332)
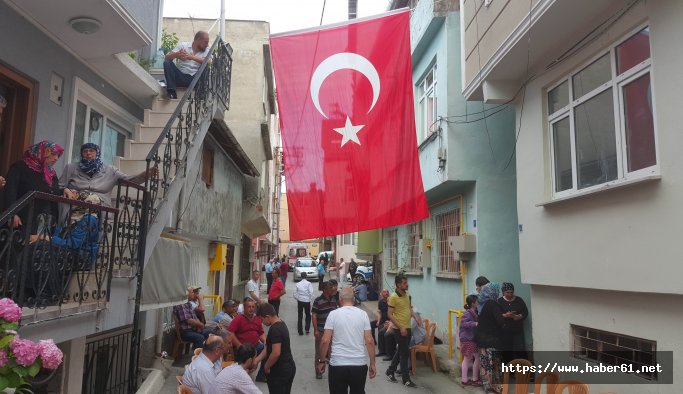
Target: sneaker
(475, 383)
(387, 358)
(318, 376)
(380, 354)
(409, 383)
(391, 377)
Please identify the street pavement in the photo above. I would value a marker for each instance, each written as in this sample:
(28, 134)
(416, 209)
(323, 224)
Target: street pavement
(305, 381)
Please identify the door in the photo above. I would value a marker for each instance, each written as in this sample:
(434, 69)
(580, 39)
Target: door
(17, 95)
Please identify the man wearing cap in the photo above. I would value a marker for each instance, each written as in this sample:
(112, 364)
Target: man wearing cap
(191, 327)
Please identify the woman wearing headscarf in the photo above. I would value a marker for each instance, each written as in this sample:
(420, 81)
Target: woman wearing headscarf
(91, 175)
(487, 337)
(35, 172)
(514, 313)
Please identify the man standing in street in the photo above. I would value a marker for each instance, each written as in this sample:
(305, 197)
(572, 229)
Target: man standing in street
(191, 57)
(277, 290)
(252, 288)
(269, 274)
(303, 294)
(322, 306)
(321, 273)
(348, 330)
(279, 366)
(400, 311)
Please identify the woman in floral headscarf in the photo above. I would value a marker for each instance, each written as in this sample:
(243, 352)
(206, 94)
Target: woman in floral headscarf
(34, 172)
(488, 335)
(91, 175)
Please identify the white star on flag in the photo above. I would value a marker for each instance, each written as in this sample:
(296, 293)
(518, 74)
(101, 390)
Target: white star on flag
(349, 132)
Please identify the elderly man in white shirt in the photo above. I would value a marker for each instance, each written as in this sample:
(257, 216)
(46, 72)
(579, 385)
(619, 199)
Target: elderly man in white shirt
(201, 374)
(303, 294)
(235, 378)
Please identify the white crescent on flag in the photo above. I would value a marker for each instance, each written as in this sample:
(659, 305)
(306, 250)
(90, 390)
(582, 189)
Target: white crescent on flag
(341, 61)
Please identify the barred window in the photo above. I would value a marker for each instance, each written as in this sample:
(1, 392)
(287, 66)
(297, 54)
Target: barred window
(448, 225)
(414, 237)
(614, 349)
(245, 264)
(393, 249)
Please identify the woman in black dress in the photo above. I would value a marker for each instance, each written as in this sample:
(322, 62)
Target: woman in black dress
(487, 337)
(514, 312)
(35, 172)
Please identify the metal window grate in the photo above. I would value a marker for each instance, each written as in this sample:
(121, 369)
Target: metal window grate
(614, 349)
(106, 365)
(393, 249)
(414, 236)
(448, 225)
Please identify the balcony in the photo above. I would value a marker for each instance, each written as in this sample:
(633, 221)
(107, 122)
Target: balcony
(64, 265)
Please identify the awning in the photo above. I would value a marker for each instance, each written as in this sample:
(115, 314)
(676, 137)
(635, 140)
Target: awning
(165, 279)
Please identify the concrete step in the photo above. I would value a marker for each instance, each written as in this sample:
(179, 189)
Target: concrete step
(156, 119)
(165, 105)
(146, 133)
(139, 150)
(130, 166)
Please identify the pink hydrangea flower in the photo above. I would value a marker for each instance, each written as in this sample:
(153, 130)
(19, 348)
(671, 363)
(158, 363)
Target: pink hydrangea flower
(3, 358)
(50, 354)
(25, 351)
(9, 311)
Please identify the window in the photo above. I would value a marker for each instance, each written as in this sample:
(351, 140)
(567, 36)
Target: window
(448, 225)
(393, 249)
(207, 166)
(349, 239)
(414, 237)
(614, 349)
(426, 110)
(97, 119)
(601, 120)
(92, 125)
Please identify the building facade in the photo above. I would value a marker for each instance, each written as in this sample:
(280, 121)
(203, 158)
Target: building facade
(463, 149)
(594, 86)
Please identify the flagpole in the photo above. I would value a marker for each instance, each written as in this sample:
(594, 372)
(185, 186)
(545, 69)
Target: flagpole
(222, 30)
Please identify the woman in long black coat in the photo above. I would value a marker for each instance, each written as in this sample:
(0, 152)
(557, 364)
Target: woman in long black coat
(488, 338)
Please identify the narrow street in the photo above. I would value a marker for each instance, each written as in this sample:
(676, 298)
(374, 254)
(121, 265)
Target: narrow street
(305, 381)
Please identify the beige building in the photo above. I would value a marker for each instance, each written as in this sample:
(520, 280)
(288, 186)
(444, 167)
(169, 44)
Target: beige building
(596, 87)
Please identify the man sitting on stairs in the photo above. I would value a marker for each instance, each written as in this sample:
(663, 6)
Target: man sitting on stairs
(191, 56)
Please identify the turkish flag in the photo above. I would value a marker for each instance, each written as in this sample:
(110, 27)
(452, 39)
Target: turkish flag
(345, 97)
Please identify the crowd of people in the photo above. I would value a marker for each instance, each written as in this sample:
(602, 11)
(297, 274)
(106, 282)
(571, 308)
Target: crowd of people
(344, 336)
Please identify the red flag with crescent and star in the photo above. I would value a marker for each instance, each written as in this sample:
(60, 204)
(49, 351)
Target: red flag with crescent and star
(345, 97)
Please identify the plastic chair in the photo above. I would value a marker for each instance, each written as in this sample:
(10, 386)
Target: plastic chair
(197, 352)
(572, 387)
(521, 379)
(551, 380)
(182, 389)
(426, 347)
(226, 364)
(179, 378)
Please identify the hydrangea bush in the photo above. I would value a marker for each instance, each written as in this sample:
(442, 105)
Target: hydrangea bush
(20, 358)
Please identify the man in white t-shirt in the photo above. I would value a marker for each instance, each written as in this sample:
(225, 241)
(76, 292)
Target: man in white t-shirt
(348, 330)
(191, 56)
(252, 290)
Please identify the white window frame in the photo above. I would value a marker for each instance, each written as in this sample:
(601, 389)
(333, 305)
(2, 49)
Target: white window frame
(93, 99)
(424, 128)
(616, 83)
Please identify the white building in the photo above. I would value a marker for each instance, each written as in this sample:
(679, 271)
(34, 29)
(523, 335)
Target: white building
(596, 87)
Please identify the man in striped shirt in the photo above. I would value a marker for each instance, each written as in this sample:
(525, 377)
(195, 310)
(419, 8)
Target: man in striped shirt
(322, 306)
